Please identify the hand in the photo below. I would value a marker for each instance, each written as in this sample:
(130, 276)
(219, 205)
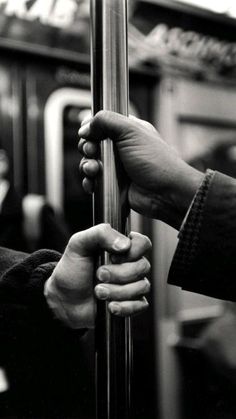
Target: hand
(70, 290)
(162, 184)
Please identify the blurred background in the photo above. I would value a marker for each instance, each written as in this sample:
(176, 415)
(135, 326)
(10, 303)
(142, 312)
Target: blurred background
(182, 59)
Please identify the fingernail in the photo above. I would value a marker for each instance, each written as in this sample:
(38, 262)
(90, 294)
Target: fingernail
(84, 130)
(121, 243)
(85, 167)
(104, 275)
(115, 308)
(81, 143)
(82, 164)
(102, 292)
(86, 119)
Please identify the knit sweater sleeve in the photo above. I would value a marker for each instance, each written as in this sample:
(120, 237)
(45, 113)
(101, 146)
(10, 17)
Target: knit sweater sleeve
(40, 355)
(205, 258)
(22, 287)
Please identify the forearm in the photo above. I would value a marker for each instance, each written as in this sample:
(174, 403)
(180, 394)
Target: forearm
(169, 204)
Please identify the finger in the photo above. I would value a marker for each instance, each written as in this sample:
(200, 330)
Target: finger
(81, 143)
(142, 122)
(123, 292)
(90, 149)
(90, 167)
(88, 185)
(128, 308)
(88, 116)
(105, 124)
(140, 244)
(83, 161)
(124, 273)
(101, 236)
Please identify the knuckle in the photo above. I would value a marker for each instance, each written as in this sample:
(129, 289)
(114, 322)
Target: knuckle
(143, 242)
(100, 117)
(146, 123)
(149, 126)
(103, 233)
(77, 240)
(73, 240)
(100, 114)
(125, 311)
(104, 229)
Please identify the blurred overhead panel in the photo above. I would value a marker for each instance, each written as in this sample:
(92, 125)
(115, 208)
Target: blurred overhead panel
(218, 6)
(183, 39)
(60, 24)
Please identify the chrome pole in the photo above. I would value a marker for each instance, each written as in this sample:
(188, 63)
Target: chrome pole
(109, 71)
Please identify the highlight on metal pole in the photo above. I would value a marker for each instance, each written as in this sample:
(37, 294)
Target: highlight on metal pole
(109, 77)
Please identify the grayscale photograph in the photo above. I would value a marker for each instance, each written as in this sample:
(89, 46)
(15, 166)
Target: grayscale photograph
(117, 213)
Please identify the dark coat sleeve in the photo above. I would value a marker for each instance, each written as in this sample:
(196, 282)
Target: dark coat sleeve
(23, 307)
(22, 276)
(205, 258)
(42, 357)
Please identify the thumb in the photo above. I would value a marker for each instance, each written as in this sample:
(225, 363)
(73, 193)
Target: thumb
(105, 124)
(101, 236)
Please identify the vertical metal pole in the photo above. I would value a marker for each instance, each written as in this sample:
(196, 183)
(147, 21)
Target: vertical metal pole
(109, 68)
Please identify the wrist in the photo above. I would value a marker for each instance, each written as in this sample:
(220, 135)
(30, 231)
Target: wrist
(72, 312)
(183, 191)
(54, 301)
(174, 203)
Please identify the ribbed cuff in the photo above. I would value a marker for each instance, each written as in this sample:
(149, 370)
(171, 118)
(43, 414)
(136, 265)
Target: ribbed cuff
(190, 229)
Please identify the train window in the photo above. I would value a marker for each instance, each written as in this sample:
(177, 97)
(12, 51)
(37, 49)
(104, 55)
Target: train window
(77, 204)
(64, 111)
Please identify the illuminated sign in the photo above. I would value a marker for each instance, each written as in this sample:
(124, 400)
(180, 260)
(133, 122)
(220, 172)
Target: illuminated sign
(59, 13)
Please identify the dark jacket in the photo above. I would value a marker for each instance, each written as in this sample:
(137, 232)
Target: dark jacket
(205, 258)
(45, 361)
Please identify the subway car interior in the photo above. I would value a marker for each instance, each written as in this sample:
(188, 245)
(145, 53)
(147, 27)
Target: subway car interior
(182, 79)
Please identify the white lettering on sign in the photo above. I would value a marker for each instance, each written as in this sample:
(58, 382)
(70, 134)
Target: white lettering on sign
(60, 13)
(63, 13)
(16, 7)
(40, 10)
(189, 45)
